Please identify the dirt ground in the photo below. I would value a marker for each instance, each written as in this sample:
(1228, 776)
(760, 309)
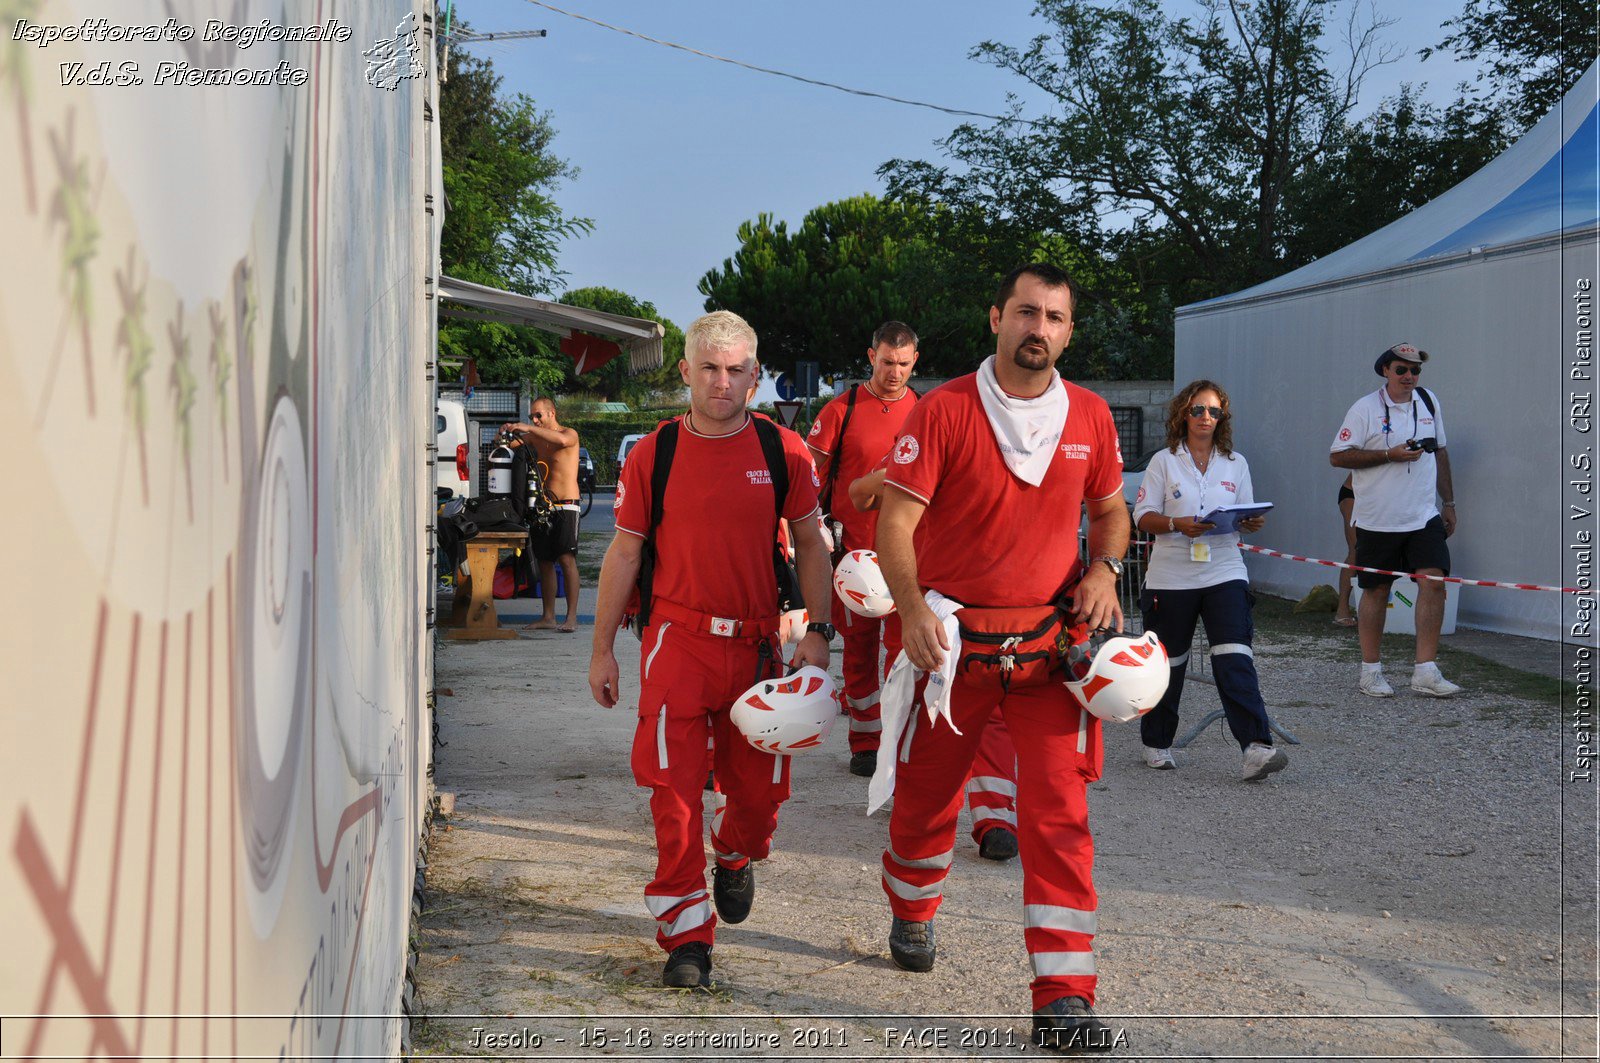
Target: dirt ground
(1418, 883)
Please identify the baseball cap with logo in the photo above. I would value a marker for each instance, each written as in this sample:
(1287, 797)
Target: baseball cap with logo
(1400, 352)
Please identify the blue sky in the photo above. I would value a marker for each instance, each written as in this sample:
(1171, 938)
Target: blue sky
(675, 150)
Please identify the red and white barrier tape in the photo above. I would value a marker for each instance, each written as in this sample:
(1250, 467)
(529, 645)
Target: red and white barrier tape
(1386, 572)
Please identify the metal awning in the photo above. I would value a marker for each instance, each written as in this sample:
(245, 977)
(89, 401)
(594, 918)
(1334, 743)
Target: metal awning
(639, 337)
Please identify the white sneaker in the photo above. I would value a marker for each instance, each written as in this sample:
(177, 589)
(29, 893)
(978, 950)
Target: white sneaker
(1261, 760)
(1373, 685)
(1426, 679)
(1160, 759)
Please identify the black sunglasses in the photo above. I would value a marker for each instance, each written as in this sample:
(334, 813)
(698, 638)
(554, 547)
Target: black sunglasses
(1401, 369)
(1200, 411)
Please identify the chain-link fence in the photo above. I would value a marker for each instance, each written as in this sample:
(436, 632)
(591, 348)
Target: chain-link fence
(1129, 586)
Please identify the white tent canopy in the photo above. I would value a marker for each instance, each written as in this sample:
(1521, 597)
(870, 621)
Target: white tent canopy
(640, 338)
(1484, 279)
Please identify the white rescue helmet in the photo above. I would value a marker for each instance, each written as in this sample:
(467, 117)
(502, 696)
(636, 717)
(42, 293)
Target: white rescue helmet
(1125, 678)
(789, 715)
(861, 586)
(797, 619)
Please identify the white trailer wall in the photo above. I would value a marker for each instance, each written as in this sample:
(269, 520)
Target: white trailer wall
(213, 350)
(1497, 324)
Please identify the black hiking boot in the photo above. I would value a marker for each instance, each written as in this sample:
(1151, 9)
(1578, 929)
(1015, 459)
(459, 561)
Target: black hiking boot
(998, 843)
(864, 763)
(688, 967)
(733, 892)
(1069, 1026)
(911, 944)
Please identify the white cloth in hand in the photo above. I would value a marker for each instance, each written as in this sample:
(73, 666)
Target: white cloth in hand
(899, 690)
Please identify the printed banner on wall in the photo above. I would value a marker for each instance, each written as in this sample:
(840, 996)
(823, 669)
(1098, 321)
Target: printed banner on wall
(212, 332)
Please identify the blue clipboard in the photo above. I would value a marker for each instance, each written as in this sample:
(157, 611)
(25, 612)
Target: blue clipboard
(1227, 518)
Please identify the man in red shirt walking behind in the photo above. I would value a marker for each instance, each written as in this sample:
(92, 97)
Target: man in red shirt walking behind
(850, 436)
(981, 506)
(713, 622)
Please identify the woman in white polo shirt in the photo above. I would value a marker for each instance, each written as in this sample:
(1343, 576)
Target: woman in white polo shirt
(1194, 576)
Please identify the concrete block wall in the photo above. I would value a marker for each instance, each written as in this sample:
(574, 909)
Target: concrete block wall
(1151, 396)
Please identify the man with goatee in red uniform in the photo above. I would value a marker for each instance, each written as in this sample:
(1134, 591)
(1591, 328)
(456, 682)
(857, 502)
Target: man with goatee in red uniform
(980, 514)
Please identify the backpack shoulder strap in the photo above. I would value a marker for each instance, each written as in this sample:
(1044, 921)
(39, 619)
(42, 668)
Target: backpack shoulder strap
(1427, 400)
(771, 437)
(661, 468)
(777, 461)
(838, 450)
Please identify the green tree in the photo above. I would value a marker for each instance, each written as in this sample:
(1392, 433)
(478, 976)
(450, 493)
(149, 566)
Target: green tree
(1530, 51)
(1194, 128)
(503, 226)
(819, 292)
(1405, 154)
(1410, 151)
(612, 381)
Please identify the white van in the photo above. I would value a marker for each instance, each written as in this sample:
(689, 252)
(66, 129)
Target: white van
(626, 445)
(450, 423)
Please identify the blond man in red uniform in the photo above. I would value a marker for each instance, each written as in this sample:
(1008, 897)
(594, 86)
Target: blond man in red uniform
(712, 632)
(849, 437)
(981, 505)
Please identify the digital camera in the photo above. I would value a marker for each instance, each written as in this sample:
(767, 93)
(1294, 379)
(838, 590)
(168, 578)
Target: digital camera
(1430, 444)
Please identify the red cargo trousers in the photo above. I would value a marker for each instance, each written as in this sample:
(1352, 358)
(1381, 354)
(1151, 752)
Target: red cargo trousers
(1058, 753)
(687, 683)
(862, 678)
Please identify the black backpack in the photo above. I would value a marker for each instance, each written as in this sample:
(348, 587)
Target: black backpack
(777, 465)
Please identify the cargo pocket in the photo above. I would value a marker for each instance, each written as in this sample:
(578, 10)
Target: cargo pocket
(651, 757)
(1090, 746)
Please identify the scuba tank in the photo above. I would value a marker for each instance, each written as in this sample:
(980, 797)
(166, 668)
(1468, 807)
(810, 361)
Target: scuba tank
(535, 486)
(540, 508)
(501, 458)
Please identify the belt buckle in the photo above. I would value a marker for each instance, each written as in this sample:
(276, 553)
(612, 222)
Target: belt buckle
(721, 625)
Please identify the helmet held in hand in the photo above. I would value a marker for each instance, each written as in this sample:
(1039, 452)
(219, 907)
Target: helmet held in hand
(861, 586)
(789, 715)
(1123, 679)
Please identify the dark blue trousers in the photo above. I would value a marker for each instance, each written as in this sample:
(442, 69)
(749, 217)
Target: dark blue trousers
(1225, 608)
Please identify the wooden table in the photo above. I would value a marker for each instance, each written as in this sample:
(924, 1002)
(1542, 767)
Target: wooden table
(473, 616)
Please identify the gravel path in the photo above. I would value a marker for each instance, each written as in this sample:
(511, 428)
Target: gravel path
(1396, 892)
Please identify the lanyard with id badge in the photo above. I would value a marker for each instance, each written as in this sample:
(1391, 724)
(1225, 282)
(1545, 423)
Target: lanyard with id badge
(1199, 549)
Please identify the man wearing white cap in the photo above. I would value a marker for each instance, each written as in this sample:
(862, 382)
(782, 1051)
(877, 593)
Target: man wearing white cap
(1394, 442)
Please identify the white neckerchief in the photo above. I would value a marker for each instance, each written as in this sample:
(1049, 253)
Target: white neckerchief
(1026, 429)
(894, 704)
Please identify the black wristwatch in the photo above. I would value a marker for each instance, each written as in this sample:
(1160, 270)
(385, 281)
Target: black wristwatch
(825, 630)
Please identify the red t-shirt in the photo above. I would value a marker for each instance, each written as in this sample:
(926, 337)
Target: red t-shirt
(714, 542)
(874, 426)
(988, 538)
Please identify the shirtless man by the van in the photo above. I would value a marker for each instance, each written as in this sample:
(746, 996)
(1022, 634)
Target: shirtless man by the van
(557, 447)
